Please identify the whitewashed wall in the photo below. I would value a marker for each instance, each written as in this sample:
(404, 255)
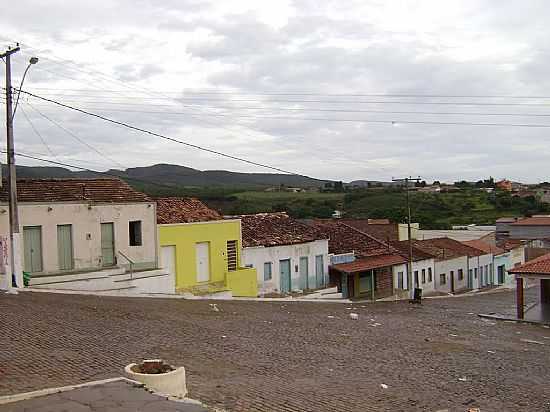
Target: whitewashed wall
(417, 265)
(257, 256)
(85, 220)
(446, 266)
(481, 262)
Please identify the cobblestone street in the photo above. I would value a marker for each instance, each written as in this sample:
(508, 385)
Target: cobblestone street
(278, 356)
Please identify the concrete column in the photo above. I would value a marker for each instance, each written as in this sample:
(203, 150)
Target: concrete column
(519, 297)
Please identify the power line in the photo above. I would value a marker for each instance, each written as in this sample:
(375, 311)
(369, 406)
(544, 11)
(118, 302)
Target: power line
(328, 110)
(294, 93)
(198, 100)
(37, 132)
(73, 135)
(139, 129)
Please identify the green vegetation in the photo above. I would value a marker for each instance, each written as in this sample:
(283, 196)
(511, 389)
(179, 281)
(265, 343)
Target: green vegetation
(431, 210)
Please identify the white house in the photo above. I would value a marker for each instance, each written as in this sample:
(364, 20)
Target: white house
(453, 261)
(423, 269)
(84, 234)
(288, 255)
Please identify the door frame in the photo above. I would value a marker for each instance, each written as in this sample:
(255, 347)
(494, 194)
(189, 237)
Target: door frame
(209, 262)
(39, 228)
(289, 275)
(306, 260)
(112, 224)
(71, 232)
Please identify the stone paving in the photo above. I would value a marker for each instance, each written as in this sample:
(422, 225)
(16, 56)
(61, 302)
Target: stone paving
(109, 397)
(286, 356)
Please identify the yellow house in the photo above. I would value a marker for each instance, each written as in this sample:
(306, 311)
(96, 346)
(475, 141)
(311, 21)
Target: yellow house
(202, 249)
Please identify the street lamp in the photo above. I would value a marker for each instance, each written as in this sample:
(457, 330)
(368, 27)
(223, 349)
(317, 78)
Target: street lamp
(32, 60)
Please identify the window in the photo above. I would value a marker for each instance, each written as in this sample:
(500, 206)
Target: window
(416, 278)
(460, 274)
(231, 255)
(429, 274)
(423, 275)
(399, 280)
(268, 270)
(135, 233)
(442, 279)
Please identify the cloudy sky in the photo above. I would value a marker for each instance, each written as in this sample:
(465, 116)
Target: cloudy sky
(330, 89)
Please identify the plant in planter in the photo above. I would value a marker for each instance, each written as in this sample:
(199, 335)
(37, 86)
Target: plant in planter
(159, 376)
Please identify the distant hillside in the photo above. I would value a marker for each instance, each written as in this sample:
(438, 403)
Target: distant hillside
(178, 176)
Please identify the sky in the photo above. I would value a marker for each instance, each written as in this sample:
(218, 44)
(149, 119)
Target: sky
(329, 89)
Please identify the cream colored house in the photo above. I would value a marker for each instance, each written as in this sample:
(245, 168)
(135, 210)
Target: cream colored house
(84, 234)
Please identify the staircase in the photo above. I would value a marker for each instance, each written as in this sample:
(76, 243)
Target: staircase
(115, 281)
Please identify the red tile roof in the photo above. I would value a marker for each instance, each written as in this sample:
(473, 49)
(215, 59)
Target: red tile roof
(540, 266)
(275, 229)
(104, 190)
(344, 238)
(368, 263)
(510, 244)
(379, 228)
(418, 254)
(484, 246)
(533, 221)
(184, 210)
(445, 248)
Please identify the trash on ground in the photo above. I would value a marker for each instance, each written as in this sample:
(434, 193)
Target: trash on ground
(223, 336)
(383, 386)
(463, 379)
(376, 324)
(330, 317)
(214, 307)
(453, 335)
(532, 341)
(491, 351)
(354, 316)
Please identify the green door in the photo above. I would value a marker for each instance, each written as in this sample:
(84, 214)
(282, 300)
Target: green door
(284, 272)
(304, 273)
(319, 271)
(107, 244)
(32, 243)
(65, 247)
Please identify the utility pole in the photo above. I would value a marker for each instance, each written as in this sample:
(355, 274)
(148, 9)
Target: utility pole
(15, 236)
(410, 259)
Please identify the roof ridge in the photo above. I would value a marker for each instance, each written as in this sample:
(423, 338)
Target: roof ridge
(390, 247)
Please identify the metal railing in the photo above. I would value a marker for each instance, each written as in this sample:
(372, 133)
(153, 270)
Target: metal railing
(130, 262)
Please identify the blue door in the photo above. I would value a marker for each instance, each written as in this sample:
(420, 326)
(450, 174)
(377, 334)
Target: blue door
(304, 273)
(284, 272)
(319, 271)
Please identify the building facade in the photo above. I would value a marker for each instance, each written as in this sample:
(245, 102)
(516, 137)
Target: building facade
(287, 255)
(201, 249)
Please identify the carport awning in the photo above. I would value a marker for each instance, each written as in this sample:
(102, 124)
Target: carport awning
(369, 263)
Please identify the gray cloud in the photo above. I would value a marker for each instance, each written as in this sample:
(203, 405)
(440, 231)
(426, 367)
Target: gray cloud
(134, 56)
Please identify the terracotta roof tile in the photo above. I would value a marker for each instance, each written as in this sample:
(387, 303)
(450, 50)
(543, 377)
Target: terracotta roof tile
(418, 254)
(275, 229)
(540, 266)
(104, 190)
(368, 263)
(484, 247)
(184, 210)
(346, 239)
(445, 248)
(533, 221)
(379, 228)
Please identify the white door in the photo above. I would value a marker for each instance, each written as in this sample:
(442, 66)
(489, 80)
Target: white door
(203, 262)
(168, 259)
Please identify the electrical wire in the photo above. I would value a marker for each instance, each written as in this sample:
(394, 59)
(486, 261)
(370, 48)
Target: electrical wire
(171, 139)
(392, 122)
(38, 133)
(74, 136)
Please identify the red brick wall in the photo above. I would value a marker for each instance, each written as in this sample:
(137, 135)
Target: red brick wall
(384, 283)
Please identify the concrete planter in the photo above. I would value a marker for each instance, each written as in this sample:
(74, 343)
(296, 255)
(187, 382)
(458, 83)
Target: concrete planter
(170, 383)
